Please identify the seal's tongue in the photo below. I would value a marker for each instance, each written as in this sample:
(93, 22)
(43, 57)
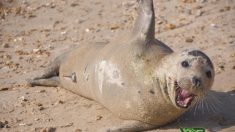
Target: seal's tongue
(184, 98)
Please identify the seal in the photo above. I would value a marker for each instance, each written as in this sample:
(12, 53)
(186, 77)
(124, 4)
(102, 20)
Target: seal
(141, 80)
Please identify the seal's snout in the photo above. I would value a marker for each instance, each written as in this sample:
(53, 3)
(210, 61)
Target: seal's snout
(196, 81)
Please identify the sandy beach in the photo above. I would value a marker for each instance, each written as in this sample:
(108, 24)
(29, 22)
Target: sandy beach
(34, 32)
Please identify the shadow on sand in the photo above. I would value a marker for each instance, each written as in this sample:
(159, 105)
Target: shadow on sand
(215, 114)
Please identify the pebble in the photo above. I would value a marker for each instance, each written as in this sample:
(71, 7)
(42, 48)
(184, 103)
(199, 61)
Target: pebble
(43, 130)
(221, 67)
(114, 27)
(22, 98)
(59, 102)
(231, 42)
(31, 15)
(198, 7)
(20, 52)
(9, 62)
(36, 50)
(233, 67)
(8, 57)
(74, 4)
(199, 13)
(41, 91)
(99, 117)
(41, 108)
(188, 1)
(189, 40)
(50, 129)
(3, 124)
(87, 30)
(5, 69)
(51, 5)
(17, 10)
(4, 89)
(51, 47)
(159, 22)
(68, 125)
(213, 25)
(227, 8)
(5, 45)
(19, 38)
(36, 119)
(78, 130)
(171, 26)
(200, 1)
(24, 124)
(39, 104)
(233, 55)
(63, 33)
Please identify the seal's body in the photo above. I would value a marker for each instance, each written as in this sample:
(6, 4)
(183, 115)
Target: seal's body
(122, 82)
(139, 79)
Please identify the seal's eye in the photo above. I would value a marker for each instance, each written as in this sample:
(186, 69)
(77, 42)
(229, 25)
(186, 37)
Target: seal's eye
(185, 64)
(208, 74)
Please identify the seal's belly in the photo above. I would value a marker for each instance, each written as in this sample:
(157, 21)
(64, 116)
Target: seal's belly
(136, 102)
(76, 71)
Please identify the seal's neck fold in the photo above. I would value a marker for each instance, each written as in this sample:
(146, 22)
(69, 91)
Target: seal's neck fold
(144, 28)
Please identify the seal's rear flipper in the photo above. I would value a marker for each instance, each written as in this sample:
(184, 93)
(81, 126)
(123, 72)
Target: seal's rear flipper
(50, 76)
(131, 126)
(53, 68)
(50, 82)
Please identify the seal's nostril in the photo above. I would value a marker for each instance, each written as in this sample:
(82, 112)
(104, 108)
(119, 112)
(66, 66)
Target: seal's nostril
(196, 81)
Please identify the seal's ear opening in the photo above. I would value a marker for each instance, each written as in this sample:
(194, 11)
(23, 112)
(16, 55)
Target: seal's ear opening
(203, 55)
(144, 28)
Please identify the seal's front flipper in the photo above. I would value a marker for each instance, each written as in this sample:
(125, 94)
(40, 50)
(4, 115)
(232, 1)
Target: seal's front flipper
(131, 126)
(144, 28)
(49, 82)
(143, 34)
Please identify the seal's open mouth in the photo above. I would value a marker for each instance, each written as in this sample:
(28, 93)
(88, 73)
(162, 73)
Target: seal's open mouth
(183, 97)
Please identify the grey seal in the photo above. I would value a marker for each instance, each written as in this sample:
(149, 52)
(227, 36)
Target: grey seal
(140, 79)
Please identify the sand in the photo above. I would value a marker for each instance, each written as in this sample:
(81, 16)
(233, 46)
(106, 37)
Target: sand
(34, 32)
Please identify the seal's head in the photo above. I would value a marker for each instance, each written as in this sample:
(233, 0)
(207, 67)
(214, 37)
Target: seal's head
(189, 77)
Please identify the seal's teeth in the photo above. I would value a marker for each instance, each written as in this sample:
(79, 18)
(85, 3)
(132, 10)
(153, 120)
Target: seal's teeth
(178, 97)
